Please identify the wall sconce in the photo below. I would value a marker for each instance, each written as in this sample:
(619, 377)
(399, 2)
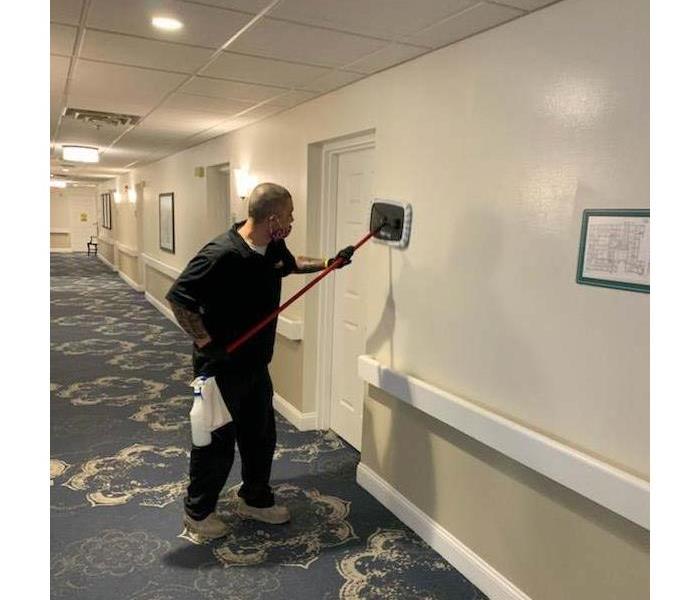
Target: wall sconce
(245, 182)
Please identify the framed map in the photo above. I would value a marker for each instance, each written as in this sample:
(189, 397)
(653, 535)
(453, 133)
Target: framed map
(166, 217)
(614, 249)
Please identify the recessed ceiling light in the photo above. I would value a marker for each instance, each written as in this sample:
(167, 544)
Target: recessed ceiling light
(166, 23)
(85, 154)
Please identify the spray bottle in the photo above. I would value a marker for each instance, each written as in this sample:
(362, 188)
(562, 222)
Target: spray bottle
(201, 435)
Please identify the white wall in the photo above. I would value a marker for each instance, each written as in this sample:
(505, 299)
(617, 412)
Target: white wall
(60, 209)
(68, 205)
(499, 142)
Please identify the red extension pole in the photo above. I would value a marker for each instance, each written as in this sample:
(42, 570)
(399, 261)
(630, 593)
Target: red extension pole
(256, 328)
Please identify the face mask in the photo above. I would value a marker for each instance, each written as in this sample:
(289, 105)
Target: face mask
(280, 233)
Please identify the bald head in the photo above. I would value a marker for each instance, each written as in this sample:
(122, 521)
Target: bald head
(267, 199)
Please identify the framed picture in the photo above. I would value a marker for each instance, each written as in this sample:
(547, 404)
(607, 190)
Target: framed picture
(614, 249)
(166, 217)
(106, 210)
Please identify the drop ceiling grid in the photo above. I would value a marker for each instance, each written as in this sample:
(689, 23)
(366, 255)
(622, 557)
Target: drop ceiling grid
(476, 18)
(62, 39)
(204, 26)
(388, 19)
(299, 50)
(66, 11)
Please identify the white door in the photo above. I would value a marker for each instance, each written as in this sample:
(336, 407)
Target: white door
(355, 171)
(82, 218)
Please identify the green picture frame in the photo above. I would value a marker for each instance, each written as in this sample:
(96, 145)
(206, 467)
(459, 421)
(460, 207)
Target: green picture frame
(614, 249)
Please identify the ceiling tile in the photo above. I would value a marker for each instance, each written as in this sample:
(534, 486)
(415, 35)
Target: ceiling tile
(221, 106)
(62, 39)
(202, 25)
(332, 81)
(292, 98)
(143, 136)
(55, 112)
(301, 43)
(251, 69)
(386, 57)
(116, 83)
(257, 114)
(117, 48)
(527, 4)
(78, 132)
(387, 19)
(221, 88)
(59, 72)
(66, 11)
(182, 121)
(471, 21)
(249, 6)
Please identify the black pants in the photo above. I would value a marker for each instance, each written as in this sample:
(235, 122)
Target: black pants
(249, 400)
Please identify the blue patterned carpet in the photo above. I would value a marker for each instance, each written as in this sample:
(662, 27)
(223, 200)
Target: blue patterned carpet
(119, 461)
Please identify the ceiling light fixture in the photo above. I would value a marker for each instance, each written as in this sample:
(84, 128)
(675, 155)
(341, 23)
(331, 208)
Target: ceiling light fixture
(166, 23)
(84, 154)
(57, 183)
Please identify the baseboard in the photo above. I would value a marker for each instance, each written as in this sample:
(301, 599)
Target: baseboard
(105, 261)
(137, 286)
(162, 308)
(302, 421)
(62, 250)
(467, 562)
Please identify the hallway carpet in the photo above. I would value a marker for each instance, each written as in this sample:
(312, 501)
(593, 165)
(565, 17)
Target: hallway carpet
(119, 460)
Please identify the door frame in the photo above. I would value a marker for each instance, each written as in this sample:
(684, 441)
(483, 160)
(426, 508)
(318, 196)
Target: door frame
(330, 154)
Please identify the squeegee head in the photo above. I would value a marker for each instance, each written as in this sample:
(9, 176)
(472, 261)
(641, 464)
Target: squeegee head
(393, 219)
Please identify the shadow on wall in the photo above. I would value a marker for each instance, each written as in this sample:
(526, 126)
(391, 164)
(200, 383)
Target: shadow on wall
(384, 331)
(398, 451)
(459, 309)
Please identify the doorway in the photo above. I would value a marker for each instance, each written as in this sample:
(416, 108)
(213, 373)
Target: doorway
(82, 217)
(347, 180)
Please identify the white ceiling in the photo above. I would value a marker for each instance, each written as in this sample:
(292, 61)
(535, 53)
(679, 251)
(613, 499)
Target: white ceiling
(234, 62)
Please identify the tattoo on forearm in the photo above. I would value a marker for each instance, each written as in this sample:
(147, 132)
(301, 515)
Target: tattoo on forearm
(190, 321)
(306, 264)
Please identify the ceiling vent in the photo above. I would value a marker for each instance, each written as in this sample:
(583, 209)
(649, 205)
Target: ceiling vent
(98, 118)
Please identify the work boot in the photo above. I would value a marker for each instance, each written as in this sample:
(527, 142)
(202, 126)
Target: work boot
(211, 527)
(276, 515)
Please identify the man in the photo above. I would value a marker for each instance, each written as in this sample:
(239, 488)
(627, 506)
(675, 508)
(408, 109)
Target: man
(229, 286)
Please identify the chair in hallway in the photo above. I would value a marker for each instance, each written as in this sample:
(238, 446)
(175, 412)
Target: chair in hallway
(92, 242)
(92, 245)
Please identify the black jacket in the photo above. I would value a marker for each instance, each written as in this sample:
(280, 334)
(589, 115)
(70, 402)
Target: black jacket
(233, 288)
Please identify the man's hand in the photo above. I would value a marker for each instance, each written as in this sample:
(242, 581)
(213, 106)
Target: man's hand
(345, 254)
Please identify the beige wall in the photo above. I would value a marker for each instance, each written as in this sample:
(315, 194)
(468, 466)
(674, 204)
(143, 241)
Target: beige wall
(129, 265)
(124, 213)
(60, 240)
(551, 542)
(59, 209)
(286, 371)
(499, 142)
(157, 284)
(106, 251)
